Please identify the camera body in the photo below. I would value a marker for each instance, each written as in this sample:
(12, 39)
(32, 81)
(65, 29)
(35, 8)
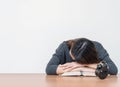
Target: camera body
(102, 70)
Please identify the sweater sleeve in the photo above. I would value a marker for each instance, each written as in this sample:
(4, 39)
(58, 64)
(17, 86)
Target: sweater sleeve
(104, 56)
(55, 60)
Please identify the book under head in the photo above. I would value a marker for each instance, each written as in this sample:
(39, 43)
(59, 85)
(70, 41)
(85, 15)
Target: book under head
(80, 73)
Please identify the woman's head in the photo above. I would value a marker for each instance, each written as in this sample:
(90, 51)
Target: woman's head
(83, 51)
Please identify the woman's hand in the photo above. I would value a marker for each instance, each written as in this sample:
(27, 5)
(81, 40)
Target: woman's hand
(74, 66)
(84, 69)
(94, 66)
(67, 67)
(60, 69)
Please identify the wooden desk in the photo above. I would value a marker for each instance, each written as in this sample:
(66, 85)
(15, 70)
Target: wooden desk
(42, 80)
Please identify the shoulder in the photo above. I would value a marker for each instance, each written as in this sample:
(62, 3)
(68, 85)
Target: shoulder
(62, 46)
(98, 45)
(102, 53)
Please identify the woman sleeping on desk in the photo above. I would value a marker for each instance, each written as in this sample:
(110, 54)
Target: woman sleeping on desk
(79, 54)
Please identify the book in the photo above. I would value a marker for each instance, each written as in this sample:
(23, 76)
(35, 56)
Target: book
(80, 73)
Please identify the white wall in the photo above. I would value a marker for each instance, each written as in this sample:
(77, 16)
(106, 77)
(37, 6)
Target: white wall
(31, 30)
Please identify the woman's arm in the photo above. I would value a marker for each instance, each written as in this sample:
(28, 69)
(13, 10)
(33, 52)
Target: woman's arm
(74, 66)
(58, 56)
(104, 56)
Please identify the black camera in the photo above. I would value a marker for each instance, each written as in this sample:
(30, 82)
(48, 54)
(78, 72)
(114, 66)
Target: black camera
(102, 70)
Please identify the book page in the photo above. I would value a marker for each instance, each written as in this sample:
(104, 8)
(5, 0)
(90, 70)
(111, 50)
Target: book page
(80, 73)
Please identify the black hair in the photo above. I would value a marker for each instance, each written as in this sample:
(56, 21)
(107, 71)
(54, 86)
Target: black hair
(84, 51)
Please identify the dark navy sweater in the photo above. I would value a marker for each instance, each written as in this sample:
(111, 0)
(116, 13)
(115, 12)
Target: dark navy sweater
(62, 56)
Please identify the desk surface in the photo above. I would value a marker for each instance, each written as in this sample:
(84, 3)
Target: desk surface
(42, 80)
